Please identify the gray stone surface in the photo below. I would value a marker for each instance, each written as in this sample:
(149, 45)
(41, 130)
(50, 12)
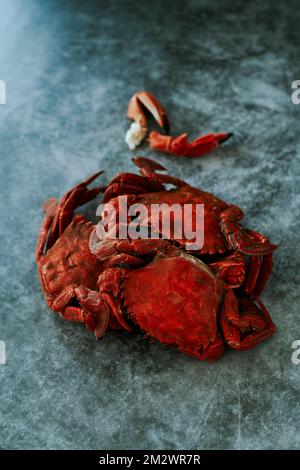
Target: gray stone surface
(70, 68)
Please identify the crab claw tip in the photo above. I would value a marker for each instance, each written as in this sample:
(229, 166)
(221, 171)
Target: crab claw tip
(226, 137)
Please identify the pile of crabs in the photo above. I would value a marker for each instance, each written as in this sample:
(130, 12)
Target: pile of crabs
(202, 301)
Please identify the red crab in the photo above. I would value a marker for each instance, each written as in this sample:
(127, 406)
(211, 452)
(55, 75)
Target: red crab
(181, 301)
(65, 262)
(223, 233)
(143, 101)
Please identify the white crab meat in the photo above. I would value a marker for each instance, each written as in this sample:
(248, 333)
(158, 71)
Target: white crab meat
(135, 135)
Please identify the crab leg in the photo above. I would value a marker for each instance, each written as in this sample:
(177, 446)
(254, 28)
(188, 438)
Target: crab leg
(127, 251)
(80, 315)
(74, 198)
(265, 272)
(129, 183)
(59, 214)
(109, 286)
(231, 270)
(245, 330)
(123, 258)
(94, 312)
(253, 273)
(148, 169)
(260, 268)
(50, 207)
(239, 238)
(180, 146)
(213, 352)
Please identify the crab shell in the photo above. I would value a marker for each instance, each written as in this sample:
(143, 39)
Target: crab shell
(176, 300)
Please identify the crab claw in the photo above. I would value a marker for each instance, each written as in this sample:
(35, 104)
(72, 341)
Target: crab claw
(61, 212)
(180, 146)
(139, 103)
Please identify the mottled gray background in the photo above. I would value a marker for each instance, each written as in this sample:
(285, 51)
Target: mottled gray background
(70, 68)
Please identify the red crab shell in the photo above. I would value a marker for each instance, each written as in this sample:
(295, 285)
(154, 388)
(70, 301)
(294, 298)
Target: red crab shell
(183, 311)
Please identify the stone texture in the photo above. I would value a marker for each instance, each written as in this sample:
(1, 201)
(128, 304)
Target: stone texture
(70, 68)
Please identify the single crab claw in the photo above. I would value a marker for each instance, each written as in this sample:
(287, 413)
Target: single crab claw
(180, 146)
(140, 102)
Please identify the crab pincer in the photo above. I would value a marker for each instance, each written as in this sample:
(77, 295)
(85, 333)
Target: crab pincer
(139, 104)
